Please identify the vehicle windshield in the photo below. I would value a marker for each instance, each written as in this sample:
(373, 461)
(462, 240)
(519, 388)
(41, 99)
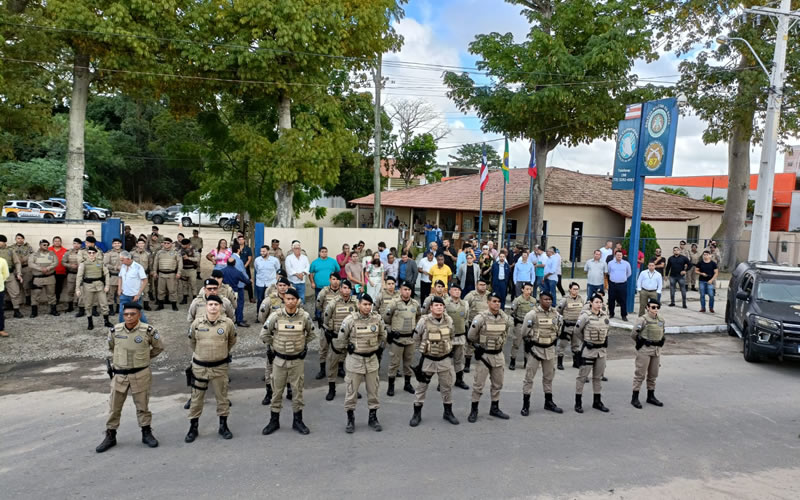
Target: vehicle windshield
(779, 291)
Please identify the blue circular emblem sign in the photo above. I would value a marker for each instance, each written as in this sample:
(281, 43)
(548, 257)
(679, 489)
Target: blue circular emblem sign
(626, 145)
(653, 156)
(657, 121)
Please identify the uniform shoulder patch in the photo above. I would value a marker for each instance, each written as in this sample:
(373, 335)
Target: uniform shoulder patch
(156, 336)
(149, 329)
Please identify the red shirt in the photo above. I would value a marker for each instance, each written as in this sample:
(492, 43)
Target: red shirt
(342, 259)
(60, 269)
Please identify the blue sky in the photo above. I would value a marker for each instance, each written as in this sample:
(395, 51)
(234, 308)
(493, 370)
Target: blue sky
(439, 32)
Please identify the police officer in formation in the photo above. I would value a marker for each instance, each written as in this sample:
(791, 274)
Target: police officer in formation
(593, 327)
(92, 280)
(113, 262)
(458, 310)
(14, 280)
(274, 304)
(439, 290)
(364, 335)
(23, 251)
(433, 339)
(71, 261)
(569, 308)
(42, 264)
(478, 302)
(542, 325)
(648, 333)
(487, 334)
(335, 314)
(167, 268)
(133, 344)
(287, 333)
(519, 308)
(191, 264)
(211, 337)
(400, 318)
(325, 297)
(198, 306)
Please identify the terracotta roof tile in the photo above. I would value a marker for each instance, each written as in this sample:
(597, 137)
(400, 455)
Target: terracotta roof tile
(564, 187)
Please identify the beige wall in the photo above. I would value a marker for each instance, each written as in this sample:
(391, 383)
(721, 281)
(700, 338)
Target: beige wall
(325, 221)
(671, 232)
(35, 231)
(332, 237)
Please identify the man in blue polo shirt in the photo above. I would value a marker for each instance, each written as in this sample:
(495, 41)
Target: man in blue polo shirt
(619, 271)
(320, 271)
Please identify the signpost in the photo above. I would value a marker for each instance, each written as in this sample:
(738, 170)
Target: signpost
(645, 147)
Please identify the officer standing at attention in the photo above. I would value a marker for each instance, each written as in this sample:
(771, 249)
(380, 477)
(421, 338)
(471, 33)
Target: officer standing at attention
(593, 328)
(276, 302)
(542, 325)
(197, 243)
(439, 290)
(12, 283)
(198, 306)
(488, 333)
(400, 318)
(335, 313)
(23, 251)
(570, 309)
(141, 256)
(191, 262)
(325, 297)
(225, 289)
(458, 310)
(388, 294)
(649, 337)
(212, 336)
(113, 262)
(91, 280)
(364, 334)
(133, 344)
(287, 334)
(519, 308)
(433, 338)
(167, 265)
(71, 261)
(477, 301)
(42, 264)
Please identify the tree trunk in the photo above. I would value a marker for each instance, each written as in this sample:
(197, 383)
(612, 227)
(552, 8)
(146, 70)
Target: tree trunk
(542, 148)
(75, 145)
(730, 230)
(284, 194)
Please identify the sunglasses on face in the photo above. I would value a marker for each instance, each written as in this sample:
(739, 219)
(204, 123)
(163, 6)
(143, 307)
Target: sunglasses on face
(655, 307)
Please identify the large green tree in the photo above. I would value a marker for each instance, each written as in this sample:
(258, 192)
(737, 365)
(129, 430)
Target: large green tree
(728, 90)
(471, 155)
(566, 83)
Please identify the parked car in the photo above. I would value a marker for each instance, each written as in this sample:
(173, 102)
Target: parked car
(763, 309)
(25, 209)
(195, 218)
(89, 212)
(161, 215)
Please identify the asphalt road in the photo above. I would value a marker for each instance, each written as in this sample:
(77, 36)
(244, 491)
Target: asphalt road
(728, 429)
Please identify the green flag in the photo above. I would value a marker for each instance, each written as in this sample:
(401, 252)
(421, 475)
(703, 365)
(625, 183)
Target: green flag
(505, 162)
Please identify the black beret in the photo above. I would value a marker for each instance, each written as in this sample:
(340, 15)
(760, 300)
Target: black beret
(390, 278)
(210, 281)
(406, 284)
(76, 240)
(167, 240)
(116, 239)
(132, 305)
(284, 281)
(185, 241)
(365, 296)
(455, 285)
(494, 295)
(214, 298)
(437, 300)
(91, 239)
(439, 282)
(651, 300)
(293, 293)
(547, 294)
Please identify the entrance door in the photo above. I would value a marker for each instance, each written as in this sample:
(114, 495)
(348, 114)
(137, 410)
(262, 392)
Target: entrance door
(576, 237)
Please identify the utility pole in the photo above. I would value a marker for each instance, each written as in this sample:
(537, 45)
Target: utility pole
(376, 174)
(762, 216)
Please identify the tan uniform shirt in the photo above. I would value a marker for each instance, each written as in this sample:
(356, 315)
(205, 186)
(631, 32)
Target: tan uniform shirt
(354, 362)
(479, 333)
(271, 327)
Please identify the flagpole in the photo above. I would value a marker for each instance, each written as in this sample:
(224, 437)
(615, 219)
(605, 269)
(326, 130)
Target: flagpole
(480, 221)
(530, 215)
(503, 234)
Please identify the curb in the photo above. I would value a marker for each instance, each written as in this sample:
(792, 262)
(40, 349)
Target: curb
(674, 330)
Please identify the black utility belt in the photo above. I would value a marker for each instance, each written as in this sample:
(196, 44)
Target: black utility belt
(653, 343)
(113, 274)
(403, 335)
(211, 364)
(288, 357)
(460, 334)
(171, 271)
(517, 321)
(44, 275)
(189, 267)
(543, 346)
(128, 371)
(92, 280)
(365, 354)
(493, 351)
(438, 358)
(589, 345)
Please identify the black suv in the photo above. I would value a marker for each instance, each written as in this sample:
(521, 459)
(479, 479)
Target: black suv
(763, 309)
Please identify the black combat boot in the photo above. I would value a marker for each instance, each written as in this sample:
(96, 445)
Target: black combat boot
(340, 373)
(223, 428)
(268, 398)
(407, 386)
(460, 381)
(467, 361)
(512, 365)
(174, 306)
(495, 411)
(70, 307)
(473, 413)
(331, 391)
(95, 312)
(321, 375)
(34, 311)
(526, 405)
(18, 314)
(185, 300)
(188, 403)
(390, 389)
(651, 398)
(160, 305)
(373, 421)
(91, 323)
(148, 438)
(109, 442)
(635, 400)
(298, 424)
(273, 425)
(81, 312)
(578, 403)
(598, 404)
(448, 414)
(560, 364)
(351, 422)
(550, 405)
(147, 306)
(192, 434)
(288, 392)
(417, 416)
(106, 322)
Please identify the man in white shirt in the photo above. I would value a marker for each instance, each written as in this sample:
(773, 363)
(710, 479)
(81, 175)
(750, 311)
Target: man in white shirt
(425, 267)
(132, 281)
(606, 251)
(551, 271)
(266, 269)
(297, 267)
(649, 286)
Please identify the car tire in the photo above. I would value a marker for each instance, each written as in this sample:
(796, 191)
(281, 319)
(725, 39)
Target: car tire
(747, 350)
(93, 216)
(186, 222)
(11, 215)
(157, 219)
(222, 221)
(48, 216)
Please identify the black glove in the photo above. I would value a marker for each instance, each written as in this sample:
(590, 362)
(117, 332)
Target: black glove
(351, 348)
(528, 343)
(329, 336)
(419, 374)
(639, 342)
(479, 351)
(304, 352)
(390, 337)
(379, 353)
(270, 354)
(109, 369)
(189, 376)
(578, 359)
